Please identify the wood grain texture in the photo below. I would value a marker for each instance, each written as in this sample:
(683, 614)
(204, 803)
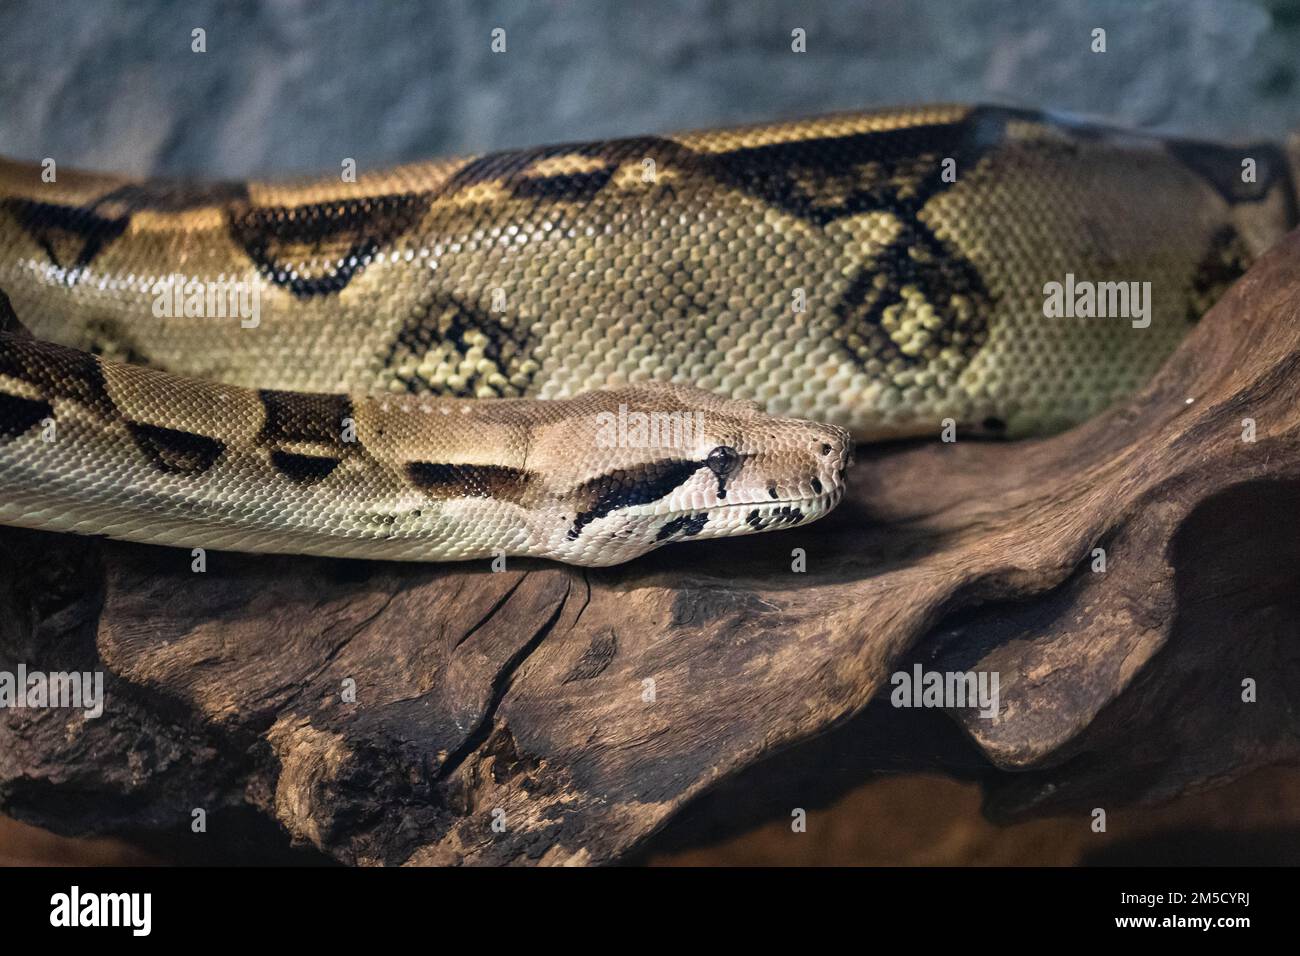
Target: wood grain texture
(524, 690)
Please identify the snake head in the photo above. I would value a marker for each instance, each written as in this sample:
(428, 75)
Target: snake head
(637, 468)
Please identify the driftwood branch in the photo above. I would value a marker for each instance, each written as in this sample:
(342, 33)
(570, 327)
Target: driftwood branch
(585, 711)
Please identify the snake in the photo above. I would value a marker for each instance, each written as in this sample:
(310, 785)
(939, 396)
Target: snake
(583, 352)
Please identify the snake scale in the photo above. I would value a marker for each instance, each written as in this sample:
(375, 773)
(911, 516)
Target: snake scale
(582, 352)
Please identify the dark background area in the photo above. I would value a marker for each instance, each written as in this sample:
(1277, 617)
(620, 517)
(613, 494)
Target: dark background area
(297, 85)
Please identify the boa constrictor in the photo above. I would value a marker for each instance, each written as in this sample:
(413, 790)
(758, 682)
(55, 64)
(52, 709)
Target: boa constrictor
(881, 272)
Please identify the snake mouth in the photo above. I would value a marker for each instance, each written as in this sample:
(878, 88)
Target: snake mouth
(692, 524)
(788, 513)
(754, 516)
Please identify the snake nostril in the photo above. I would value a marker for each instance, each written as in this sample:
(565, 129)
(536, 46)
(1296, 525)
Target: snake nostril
(826, 449)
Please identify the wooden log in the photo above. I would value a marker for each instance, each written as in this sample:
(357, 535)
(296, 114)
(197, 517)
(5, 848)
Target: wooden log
(385, 713)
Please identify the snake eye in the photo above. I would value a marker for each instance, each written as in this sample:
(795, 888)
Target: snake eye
(723, 460)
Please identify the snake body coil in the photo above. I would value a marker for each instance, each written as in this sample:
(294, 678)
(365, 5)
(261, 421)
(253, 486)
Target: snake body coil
(882, 272)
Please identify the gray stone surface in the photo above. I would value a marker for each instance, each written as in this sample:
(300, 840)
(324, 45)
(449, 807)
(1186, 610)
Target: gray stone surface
(299, 84)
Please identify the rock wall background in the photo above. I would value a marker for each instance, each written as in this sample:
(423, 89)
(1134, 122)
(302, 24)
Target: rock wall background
(299, 84)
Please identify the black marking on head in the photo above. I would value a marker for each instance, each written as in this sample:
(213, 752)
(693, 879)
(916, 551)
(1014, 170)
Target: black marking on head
(771, 492)
(303, 469)
(316, 249)
(816, 486)
(176, 452)
(687, 525)
(18, 415)
(57, 372)
(304, 416)
(447, 320)
(445, 480)
(994, 425)
(624, 488)
(787, 514)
